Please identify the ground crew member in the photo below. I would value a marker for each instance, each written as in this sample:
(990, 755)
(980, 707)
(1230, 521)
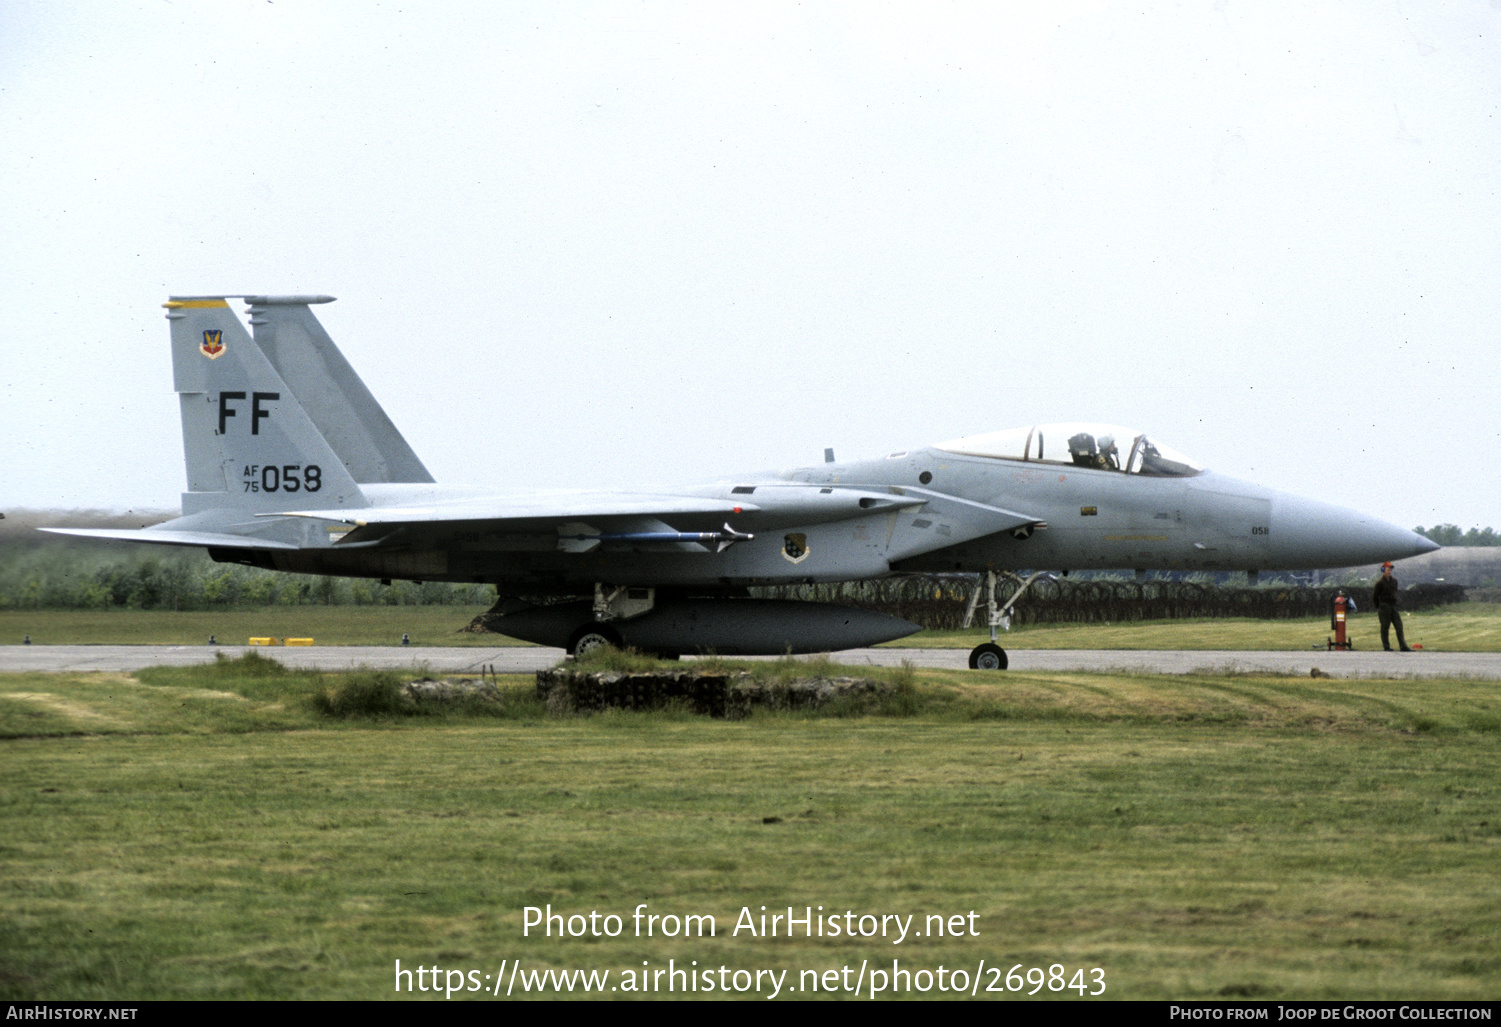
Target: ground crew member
(1385, 597)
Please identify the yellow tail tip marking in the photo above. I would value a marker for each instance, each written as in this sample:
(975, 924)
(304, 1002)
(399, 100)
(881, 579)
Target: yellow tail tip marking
(179, 304)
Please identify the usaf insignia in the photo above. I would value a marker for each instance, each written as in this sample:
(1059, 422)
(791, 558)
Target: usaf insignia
(213, 343)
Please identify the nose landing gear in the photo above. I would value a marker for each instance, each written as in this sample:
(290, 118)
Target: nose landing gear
(989, 655)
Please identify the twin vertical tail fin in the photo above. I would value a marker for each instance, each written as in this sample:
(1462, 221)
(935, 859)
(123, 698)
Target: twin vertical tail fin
(249, 440)
(327, 387)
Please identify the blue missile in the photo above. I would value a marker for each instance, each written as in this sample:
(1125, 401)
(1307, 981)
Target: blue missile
(717, 540)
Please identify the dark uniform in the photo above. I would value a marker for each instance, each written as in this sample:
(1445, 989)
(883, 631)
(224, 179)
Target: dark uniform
(1384, 595)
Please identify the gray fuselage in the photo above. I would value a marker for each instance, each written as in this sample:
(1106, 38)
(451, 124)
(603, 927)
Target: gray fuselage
(1094, 519)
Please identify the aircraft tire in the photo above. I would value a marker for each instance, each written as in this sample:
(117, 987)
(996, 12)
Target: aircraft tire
(592, 636)
(987, 656)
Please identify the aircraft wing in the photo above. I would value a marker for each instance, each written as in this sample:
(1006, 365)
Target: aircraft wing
(528, 512)
(762, 507)
(581, 521)
(537, 514)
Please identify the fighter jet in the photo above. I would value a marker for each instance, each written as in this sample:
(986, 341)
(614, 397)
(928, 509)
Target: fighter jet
(293, 466)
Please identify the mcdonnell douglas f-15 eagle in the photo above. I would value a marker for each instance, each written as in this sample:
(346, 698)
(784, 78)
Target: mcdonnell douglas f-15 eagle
(292, 465)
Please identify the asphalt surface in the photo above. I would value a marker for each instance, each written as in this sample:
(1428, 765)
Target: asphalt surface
(514, 660)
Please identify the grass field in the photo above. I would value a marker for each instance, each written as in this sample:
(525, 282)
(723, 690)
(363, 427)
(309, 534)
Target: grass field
(1464, 627)
(206, 833)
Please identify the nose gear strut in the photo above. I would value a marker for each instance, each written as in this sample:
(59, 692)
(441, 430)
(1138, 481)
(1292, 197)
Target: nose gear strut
(989, 655)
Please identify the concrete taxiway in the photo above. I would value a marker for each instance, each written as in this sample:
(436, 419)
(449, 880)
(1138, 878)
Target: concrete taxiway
(521, 660)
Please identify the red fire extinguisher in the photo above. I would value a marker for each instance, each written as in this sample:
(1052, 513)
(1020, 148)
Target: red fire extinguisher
(1339, 608)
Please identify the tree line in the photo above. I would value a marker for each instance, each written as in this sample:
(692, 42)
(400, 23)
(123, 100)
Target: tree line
(1451, 535)
(68, 577)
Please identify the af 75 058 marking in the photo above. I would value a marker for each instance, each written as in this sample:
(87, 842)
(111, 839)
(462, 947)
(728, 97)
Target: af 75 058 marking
(286, 478)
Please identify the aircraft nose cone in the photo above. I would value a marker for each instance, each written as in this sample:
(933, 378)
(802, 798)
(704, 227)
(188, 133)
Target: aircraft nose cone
(1322, 535)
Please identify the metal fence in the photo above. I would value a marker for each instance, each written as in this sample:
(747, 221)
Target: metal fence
(939, 601)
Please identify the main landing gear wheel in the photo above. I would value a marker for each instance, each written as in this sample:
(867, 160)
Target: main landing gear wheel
(592, 637)
(987, 656)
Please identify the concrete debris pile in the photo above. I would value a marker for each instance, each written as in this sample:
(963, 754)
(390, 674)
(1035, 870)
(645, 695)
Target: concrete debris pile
(448, 691)
(566, 690)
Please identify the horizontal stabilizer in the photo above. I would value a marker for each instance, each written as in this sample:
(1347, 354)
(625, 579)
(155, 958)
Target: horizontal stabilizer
(173, 538)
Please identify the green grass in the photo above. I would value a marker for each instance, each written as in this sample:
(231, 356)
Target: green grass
(210, 833)
(1463, 627)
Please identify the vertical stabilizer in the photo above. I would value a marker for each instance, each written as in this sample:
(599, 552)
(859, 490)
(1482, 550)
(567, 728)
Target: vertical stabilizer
(249, 443)
(330, 390)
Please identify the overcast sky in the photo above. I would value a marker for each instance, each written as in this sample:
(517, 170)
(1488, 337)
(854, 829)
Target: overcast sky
(609, 243)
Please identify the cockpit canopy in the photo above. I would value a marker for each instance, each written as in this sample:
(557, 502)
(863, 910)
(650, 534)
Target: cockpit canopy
(1103, 447)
